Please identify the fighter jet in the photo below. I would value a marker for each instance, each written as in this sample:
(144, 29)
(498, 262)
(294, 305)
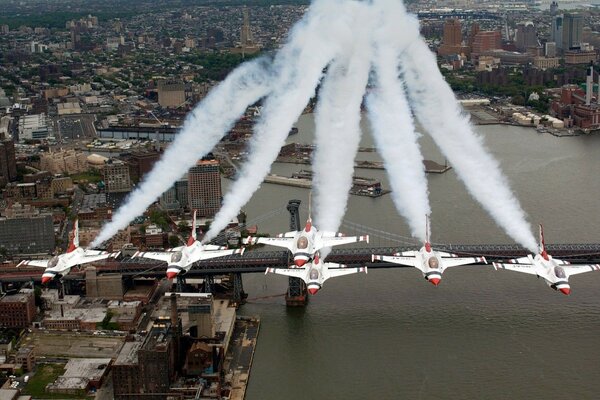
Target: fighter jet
(305, 243)
(316, 272)
(60, 265)
(180, 259)
(430, 262)
(555, 272)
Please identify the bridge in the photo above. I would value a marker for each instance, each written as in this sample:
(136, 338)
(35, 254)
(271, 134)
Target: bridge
(259, 261)
(460, 14)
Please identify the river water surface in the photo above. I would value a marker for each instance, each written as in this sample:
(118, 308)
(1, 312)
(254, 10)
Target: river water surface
(482, 334)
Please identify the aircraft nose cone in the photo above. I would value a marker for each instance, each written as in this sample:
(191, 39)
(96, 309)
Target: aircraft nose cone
(565, 290)
(313, 290)
(435, 281)
(171, 275)
(299, 262)
(46, 279)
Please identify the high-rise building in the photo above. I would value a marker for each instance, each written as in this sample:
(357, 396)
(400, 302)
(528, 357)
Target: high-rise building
(526, 36)
(204, 188)
(486, 40)
(8, 164)
(572, 31)
(553, 7)
(140, 163)
(116, 177)
(557, 31)
(452, 42)
(27, 234)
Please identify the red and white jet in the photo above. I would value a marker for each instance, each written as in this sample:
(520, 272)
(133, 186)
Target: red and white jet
(305, 243)
(555, 272)
(60, 265)
(316, 272)
(180, 259)
(430, 262)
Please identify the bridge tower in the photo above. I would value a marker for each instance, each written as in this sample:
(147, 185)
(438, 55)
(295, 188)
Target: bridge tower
(296, 295)
(239, 296)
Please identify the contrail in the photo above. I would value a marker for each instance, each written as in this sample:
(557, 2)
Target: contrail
(202, 130)
(300, 64)
(437, 110)
(338, 132)
(397, 141)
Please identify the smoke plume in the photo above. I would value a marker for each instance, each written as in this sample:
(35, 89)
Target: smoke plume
(203, 129)
(300, 67)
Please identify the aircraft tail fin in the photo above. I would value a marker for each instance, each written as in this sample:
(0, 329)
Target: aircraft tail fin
(75, 240)
(543, 251)
(193, 236)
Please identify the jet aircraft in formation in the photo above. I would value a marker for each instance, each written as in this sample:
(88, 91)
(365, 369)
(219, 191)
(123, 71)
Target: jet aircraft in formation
(60, 265)
(305, 243)
(180, 259)
(316, 272)
(305, 246)
(555, 272)
(430, 262)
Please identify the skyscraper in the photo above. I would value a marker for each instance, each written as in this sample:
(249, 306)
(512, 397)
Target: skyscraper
(8, 164)
(557, 31)
(572, 31)
(526, 36)
(486, 40)
(452, 42)
(204, 188)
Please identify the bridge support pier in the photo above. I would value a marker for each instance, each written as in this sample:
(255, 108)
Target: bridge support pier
(296, 295)
(180, 283)
(239, 296)
(208, 284)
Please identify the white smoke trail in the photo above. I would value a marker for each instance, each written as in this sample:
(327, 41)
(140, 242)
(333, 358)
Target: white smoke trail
(313, 45)
(396, 138)
(202, 130)
(338, 132)
(438, 111)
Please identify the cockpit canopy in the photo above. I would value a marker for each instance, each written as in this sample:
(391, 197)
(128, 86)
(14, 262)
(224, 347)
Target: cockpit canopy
(176, 257)
(53, 262)
(302, 243)
(560, 272)
(313, 274)
(433, 263)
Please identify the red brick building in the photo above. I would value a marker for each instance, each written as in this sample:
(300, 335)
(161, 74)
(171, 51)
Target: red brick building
(17, 310)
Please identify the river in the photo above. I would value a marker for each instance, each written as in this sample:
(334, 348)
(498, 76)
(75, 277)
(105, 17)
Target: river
(482, 334)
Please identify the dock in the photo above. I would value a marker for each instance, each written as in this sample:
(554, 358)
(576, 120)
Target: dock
(360, 186)
(239, 357)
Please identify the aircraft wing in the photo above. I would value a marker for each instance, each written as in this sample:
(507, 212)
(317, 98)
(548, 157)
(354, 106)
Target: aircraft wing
(205, 255)
(293, 272)
(330, 234)
(410, 253)
(336, 241)
(288, 243)
(287, 234)
(341, 270)
(97, 257)
(410, 261)
(580, 269)
(522, 260)
(154, 255)
(455, 262)
(525, 268)
(34, 263)
(212, 247)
